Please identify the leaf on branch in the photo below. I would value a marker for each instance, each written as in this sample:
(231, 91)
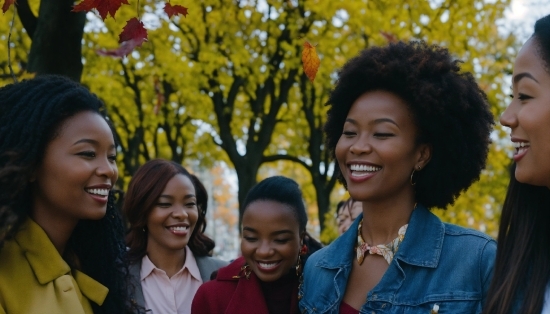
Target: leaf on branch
(172, 10)
(133, 35)
(310, 61)
(104, 7)
(7, 5)
(158, 92)
(391, 38)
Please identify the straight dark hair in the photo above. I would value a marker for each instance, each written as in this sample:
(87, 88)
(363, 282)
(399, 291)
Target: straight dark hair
(522, 268)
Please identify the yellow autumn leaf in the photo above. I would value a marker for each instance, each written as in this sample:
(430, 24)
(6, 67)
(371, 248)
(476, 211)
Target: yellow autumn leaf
(310, 60)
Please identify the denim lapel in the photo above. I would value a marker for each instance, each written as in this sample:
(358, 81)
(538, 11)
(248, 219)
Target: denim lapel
(424, 239)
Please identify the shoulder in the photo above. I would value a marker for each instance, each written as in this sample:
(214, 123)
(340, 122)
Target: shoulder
(469, 237)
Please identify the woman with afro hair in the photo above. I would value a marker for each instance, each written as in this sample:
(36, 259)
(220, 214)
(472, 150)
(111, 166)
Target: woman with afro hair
(409, 131)
(61, 236)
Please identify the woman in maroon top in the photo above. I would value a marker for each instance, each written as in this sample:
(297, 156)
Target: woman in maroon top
(265, 279)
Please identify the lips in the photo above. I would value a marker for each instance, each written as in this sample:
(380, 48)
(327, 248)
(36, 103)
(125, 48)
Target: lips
(521, 147)
(179, 229)
(268, 265)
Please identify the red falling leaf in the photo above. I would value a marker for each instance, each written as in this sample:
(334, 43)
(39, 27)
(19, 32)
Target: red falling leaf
(7, 5)
(391, 38)
(123, 50)
(104, 7)
(310, 61)
(134, 30)
(172, 10)
(133, 35)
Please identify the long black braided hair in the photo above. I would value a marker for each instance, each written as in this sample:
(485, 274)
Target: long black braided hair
(31, 113)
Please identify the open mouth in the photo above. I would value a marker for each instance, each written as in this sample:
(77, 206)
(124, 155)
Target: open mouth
(98, 192)
(358, 170)
(268, 265)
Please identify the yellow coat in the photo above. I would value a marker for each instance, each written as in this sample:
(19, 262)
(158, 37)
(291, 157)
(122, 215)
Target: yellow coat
(35, 279)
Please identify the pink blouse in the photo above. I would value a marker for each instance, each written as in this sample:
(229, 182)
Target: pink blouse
(164, 295)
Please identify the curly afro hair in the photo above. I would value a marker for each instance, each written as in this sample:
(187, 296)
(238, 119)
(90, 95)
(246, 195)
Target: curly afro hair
(450, 111)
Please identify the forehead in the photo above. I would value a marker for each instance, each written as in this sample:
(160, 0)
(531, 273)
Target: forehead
(86, 124)
(529, 60)
(270, 215)
(381, 104)
(179, 183)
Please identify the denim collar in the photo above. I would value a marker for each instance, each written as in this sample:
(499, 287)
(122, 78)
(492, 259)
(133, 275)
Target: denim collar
(421, 247)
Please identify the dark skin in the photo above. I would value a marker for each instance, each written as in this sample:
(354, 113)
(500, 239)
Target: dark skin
(376, 154)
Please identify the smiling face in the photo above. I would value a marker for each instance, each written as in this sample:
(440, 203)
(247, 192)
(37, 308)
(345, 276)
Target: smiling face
(528, 117)
(271, 239)
(173, 218)
(78, 170)
(377, 150)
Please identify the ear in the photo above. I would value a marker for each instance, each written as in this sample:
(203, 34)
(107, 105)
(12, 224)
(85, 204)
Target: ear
(424, 154)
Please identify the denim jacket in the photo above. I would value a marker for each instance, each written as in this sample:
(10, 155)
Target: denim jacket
(436, 264)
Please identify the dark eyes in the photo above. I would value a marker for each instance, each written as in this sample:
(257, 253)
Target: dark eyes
(521, 96)
(279, 241)
(92, 154)
(166, 205)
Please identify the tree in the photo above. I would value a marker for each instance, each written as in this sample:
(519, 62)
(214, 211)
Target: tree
(225, 83)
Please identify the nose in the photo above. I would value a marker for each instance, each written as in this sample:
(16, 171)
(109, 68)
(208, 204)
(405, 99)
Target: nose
(509, 116)
(264, 249)
(107, 168)
(361, 145)
(179, 212)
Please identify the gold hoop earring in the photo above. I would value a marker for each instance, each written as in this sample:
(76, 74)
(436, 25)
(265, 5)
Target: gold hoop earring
(412, 174)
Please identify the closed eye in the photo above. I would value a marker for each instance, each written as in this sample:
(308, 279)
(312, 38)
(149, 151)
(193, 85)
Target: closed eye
(383, 134)
(348, 133)
(90, 154)
(164, 205)
(524, 97)
(282, 241)
(250, 239)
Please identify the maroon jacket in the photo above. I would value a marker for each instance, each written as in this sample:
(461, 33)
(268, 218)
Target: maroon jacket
(229, 295)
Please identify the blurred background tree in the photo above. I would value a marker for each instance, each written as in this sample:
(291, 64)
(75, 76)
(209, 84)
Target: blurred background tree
(225, 84)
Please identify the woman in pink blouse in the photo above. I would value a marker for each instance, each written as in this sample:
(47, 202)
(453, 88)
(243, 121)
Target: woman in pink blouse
(166, 206)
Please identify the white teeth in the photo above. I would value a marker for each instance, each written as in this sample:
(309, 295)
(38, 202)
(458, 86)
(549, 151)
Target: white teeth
(179, 228)
(268, 266)
(364, 168)
(521, 144)
(102, 192)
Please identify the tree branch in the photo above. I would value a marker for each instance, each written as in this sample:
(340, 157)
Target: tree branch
(28, 19)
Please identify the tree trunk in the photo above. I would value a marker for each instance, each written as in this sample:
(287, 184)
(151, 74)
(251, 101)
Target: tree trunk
(56, 38)
(247, 179)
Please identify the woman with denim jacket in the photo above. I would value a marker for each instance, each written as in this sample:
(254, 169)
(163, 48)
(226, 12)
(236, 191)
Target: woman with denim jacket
(522, 269)
(409, 132)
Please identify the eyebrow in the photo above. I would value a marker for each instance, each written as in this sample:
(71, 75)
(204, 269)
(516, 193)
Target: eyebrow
(273, 233)
(519, 76)
(375, 121)
(90, 141)
(171, 197)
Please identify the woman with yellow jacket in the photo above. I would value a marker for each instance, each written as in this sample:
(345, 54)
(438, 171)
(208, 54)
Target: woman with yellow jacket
(62, 248)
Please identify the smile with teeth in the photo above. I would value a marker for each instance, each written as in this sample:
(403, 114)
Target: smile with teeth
(363, 170)
(179, 228)
(268, 265)
(521, 147)
(101, 192)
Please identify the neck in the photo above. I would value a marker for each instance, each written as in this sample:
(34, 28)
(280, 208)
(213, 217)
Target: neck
(57, 227)
(171, 261)
(382, 220)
